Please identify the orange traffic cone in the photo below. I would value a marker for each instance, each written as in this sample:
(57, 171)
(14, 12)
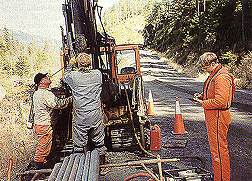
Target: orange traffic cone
(179, 127)
(151, 104)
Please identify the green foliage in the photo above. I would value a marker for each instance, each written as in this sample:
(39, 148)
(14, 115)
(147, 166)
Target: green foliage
(185, 29)
(180, 27)
(21, 66)
(20, 62)
(126, 19)
(245, 71)
(229, 58)
(240, 65)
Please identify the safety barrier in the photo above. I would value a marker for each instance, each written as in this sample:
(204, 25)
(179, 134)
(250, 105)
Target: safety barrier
(77, 166)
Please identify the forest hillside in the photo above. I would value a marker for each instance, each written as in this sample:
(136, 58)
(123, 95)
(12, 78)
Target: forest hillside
(183, 30)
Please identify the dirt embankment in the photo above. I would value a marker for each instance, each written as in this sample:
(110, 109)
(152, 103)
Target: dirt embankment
(191, 71)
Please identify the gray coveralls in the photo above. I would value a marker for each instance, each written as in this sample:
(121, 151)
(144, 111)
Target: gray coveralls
(87, 113)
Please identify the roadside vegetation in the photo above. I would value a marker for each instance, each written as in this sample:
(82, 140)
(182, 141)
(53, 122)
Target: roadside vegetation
(18, 64)
(125, 21)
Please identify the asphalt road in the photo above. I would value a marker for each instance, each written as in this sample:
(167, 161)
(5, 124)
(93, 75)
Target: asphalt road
(166, 84)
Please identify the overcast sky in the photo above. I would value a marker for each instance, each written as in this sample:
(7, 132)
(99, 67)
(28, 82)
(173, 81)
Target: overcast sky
(36, 17)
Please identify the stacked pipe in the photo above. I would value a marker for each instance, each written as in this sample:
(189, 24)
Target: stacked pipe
(77, 166)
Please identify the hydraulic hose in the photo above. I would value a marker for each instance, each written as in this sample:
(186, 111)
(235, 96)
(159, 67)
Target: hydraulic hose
(138, 141)
(134, 129)
(138, 175)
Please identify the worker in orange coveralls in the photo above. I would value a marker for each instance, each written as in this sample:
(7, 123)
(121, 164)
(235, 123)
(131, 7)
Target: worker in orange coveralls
(44, 102)
(219, 89)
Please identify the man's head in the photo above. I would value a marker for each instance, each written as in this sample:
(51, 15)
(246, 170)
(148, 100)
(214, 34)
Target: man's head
(208, 61)
(83, 61)
(42, 80)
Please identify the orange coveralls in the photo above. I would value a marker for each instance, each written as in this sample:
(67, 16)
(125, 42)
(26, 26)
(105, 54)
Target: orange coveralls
(218, 94)
(45, 135)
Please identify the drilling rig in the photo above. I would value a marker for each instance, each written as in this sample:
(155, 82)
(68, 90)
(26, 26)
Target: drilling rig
(127, 125)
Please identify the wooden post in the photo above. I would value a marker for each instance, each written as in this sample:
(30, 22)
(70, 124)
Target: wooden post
(140, 162)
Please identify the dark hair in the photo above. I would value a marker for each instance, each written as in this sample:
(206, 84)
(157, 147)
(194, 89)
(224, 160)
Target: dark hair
(38, 77)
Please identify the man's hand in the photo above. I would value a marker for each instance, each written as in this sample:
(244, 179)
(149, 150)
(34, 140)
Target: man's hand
(73, 60)
(29, 125)
(198, 102)
(197, 98)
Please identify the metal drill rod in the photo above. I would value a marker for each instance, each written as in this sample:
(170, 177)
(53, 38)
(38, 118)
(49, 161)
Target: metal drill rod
(94, 166)
(56, 72)
(75, 166)
(86, 167)
(63, 168)
(55, 172)
(80, 167)
(68, 169)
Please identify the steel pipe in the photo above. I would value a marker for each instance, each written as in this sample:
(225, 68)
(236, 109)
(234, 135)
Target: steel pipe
(55, 172)
(75, 166)
(94, 166)
(86, 167)
(80, 168)
(62, 169)
(68, 169)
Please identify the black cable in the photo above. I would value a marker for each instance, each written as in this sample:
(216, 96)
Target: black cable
(133, 126)
(99, 15)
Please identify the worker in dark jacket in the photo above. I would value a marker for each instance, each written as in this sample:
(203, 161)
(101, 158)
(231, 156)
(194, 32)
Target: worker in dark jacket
(86, 85)
(219, 89)
(44, 102)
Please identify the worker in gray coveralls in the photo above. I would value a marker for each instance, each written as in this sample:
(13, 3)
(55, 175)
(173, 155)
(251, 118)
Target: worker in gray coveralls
(86, 85)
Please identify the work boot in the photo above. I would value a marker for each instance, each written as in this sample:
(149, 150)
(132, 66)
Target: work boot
(39, 165)
(50, 163)
(31, 166)
(80, 149)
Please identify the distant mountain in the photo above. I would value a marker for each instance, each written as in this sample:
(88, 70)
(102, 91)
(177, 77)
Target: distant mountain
(27, 39)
